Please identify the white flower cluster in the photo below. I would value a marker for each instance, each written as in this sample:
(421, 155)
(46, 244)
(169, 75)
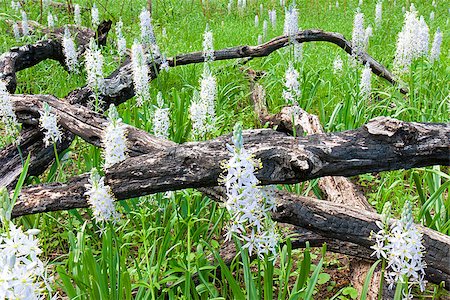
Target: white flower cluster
(94, 68)
(7, 115)
(378, 14)
(401, 245)
(50, 20)
(337, 65)
(242, 4)
(95, 19)
(436, 46)
(291, 90)
(291, 22)
(161, 121)
(22, 274)
(208, 92)
(101, 198)
(360, 36)
(208, 48)
(49, 123)
(273, 17)
(121, 42)
(412, 41)
(16, 31)
(77, 14)
(25, 26)
(198, 115)
(265, 27)
(365, 86)
(16, 5)
(70, 51)
(140, 73)
(147, 34)
(114, 139)
(248, 204)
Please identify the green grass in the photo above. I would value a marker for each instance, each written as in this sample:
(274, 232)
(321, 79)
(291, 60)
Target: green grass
(165, 246)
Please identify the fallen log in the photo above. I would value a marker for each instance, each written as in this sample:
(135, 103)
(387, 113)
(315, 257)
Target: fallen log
(120, 88)
(20, 58)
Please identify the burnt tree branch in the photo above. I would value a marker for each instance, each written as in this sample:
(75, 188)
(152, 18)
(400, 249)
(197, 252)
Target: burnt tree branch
(382, 144)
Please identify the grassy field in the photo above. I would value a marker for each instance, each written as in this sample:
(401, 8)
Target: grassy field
(162, 246)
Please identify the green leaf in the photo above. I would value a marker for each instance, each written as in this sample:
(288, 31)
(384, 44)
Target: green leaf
(323, 278)
(369, 275)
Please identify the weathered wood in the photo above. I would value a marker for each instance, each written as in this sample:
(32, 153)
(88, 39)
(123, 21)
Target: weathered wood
(17, 59)
(381, 145)
(20, 58)
(355, 225)
(329, 220)
(311, 35)
(83, 122)
(120, 88)
(12, 158)
(337, 189)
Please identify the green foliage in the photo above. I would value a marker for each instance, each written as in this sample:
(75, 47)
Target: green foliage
(167, 245)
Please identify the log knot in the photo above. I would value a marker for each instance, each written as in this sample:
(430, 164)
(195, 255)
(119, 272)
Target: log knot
(383, 126)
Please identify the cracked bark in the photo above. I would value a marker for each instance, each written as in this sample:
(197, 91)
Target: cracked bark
(119, 85)
(193, 162)
(337, 189)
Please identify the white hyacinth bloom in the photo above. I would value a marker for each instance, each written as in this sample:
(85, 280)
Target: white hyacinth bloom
(423, 38)
(164, 64)
(101, 198)
(436, 47)
(208, 92)
(247, 203)
(94, 69)
(432, 16)
(198, 114)
(140, 73)
(337, 65)
(70, 51)
(400, 243)
(412, 41)
(358, 34)
(256, 21)
(147, 33)
(367, 34)
(114, 139)
(121, 42)
(298, 51)
(50, 21)
(260, 39)
(265, 27)
(291, 22)
(7, 115)
(25, 27)
(16, 31)
(273, 17)
(291, 91)
(337, 4)
(378, 14)
(77, 14)
(22, 275)
(161, 121)
(365, 85)
(208, 48)
(95, 19)
(49, 124)
(16, 5)
(230, 6)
